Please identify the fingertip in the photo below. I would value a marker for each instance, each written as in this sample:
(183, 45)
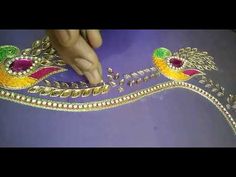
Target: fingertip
(94, 38)
(93, 77)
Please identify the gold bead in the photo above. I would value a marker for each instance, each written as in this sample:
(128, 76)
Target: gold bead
(39, 102)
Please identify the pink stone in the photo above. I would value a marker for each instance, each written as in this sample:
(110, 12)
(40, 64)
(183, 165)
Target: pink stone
(21, 65)
(44, 72)
(191, 72)
(176, 62)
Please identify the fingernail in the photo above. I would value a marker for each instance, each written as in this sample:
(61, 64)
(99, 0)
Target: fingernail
(83, 64)
(62, 36)
(94, 76)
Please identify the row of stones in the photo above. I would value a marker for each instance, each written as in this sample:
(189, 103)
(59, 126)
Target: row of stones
(116, 101)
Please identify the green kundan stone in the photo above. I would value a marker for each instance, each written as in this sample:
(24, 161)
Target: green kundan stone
(162, 53)
(8, 51)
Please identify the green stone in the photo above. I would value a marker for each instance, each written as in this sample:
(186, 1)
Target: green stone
(8, 51)
(162, 53)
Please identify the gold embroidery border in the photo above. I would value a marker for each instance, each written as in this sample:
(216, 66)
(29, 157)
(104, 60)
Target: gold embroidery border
(114, 102)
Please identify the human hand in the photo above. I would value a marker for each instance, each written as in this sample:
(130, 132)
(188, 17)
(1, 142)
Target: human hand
(76, 48)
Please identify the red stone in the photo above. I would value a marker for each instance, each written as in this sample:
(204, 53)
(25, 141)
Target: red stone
(44, 72)
(191, 72)
(21, 65)
(176, 62)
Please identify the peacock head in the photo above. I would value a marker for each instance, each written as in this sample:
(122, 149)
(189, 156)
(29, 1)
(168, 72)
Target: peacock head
(19, 71)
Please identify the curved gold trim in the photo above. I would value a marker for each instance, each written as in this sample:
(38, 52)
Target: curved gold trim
(114, 102)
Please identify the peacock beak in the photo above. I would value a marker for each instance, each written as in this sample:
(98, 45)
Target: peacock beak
(44, 72)
(192, 72)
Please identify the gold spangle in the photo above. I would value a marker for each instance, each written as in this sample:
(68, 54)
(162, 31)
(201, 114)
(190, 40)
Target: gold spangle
(39, 102)
(28, 99)
(152, 75)
(36, 52)
(153, 69)
(35, 89)
(54, 105)
(23, 98)
(138, 81)
(12, 95)
(113, 84)
(86, 92)
(64, 85)
(48, 57)
(45, 45)
(97, 90)
(105, 89)
(80, 106)
(120, 89)
(56, 84)
(65, 105)
(109, 70)
(110, 77)
(59, 105)
(45, 39)
(36, 44)
(74, 85)
(45, 91)
(145, 79)
(146, 70)
(134, 74)
(131, 83)
(26, 52)
(116, 76)
(121, 82)
(94, 104)
(66, 93)
(76, 93)
(140, 72)
(56, 92)
(83, 84)
(127, 76)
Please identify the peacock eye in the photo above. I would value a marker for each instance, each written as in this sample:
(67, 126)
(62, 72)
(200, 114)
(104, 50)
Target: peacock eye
(21, 65)
(176, 63)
